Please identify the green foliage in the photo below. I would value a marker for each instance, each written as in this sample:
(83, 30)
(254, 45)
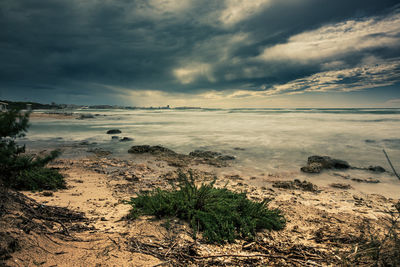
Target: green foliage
(14, 165)
(38, 178)
(221, 215)
(13, 124)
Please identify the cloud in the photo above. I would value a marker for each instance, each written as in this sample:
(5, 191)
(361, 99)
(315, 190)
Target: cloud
(237, 10)
(193, 72)
(219, 49)
(343, 80)
(338, 40)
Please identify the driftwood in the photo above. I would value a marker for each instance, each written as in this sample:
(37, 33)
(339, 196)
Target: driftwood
(254, 254)
(390, 163)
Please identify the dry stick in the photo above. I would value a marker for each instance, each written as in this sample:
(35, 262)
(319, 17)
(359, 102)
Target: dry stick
(390, 163)
(173, 245)
(249, 256)
(115, 243)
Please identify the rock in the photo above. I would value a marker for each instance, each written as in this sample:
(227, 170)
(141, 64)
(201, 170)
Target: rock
(312, 168)
(239, 148)
(114, 137)
(315, 164)
(204, 154)
(306, 186)
(141, 149)
(284, 185)
(378, 169)
(340, 186)
(226, 157)
(329, 163)
(84, 143)
(114, 131)
(358, 180)
(368, 180)
(85, 116)
(126, 139)
(296, 184)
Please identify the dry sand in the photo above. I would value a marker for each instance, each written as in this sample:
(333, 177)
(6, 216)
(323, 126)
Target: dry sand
(322, 222)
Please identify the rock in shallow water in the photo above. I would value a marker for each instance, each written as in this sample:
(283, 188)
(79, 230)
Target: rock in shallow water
(315, 164)
(226, 157)
(376, 169)
(114, 131)
(126, 139)
(204, 154)
(312, 168)
(150, 149)
(328, 163)
(85, 116)
(340, 186)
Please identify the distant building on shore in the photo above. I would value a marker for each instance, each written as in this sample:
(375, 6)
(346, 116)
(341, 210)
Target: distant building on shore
(3, 107)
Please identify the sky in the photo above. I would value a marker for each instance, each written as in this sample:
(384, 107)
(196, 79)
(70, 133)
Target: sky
(208, 53)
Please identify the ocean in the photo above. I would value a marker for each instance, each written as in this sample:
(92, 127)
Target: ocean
(273, 141)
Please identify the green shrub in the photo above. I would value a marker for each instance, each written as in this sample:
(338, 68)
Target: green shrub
(39, 178)
(18, 170)
(221, 215)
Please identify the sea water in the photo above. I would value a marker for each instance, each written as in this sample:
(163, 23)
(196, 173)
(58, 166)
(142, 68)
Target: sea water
(262, 140)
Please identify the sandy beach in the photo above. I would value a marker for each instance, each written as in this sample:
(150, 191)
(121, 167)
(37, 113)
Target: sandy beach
(324, 223)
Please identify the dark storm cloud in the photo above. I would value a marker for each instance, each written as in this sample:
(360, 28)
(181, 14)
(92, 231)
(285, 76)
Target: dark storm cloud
(91, 47)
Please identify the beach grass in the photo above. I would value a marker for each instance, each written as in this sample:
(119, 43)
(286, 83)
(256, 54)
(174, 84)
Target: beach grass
(218, 213)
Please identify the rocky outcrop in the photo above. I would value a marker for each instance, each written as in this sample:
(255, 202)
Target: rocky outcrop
(296, 184)
(329, 163)
(114, 131)
(141, 149)
(315, 164)
(181, 160)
